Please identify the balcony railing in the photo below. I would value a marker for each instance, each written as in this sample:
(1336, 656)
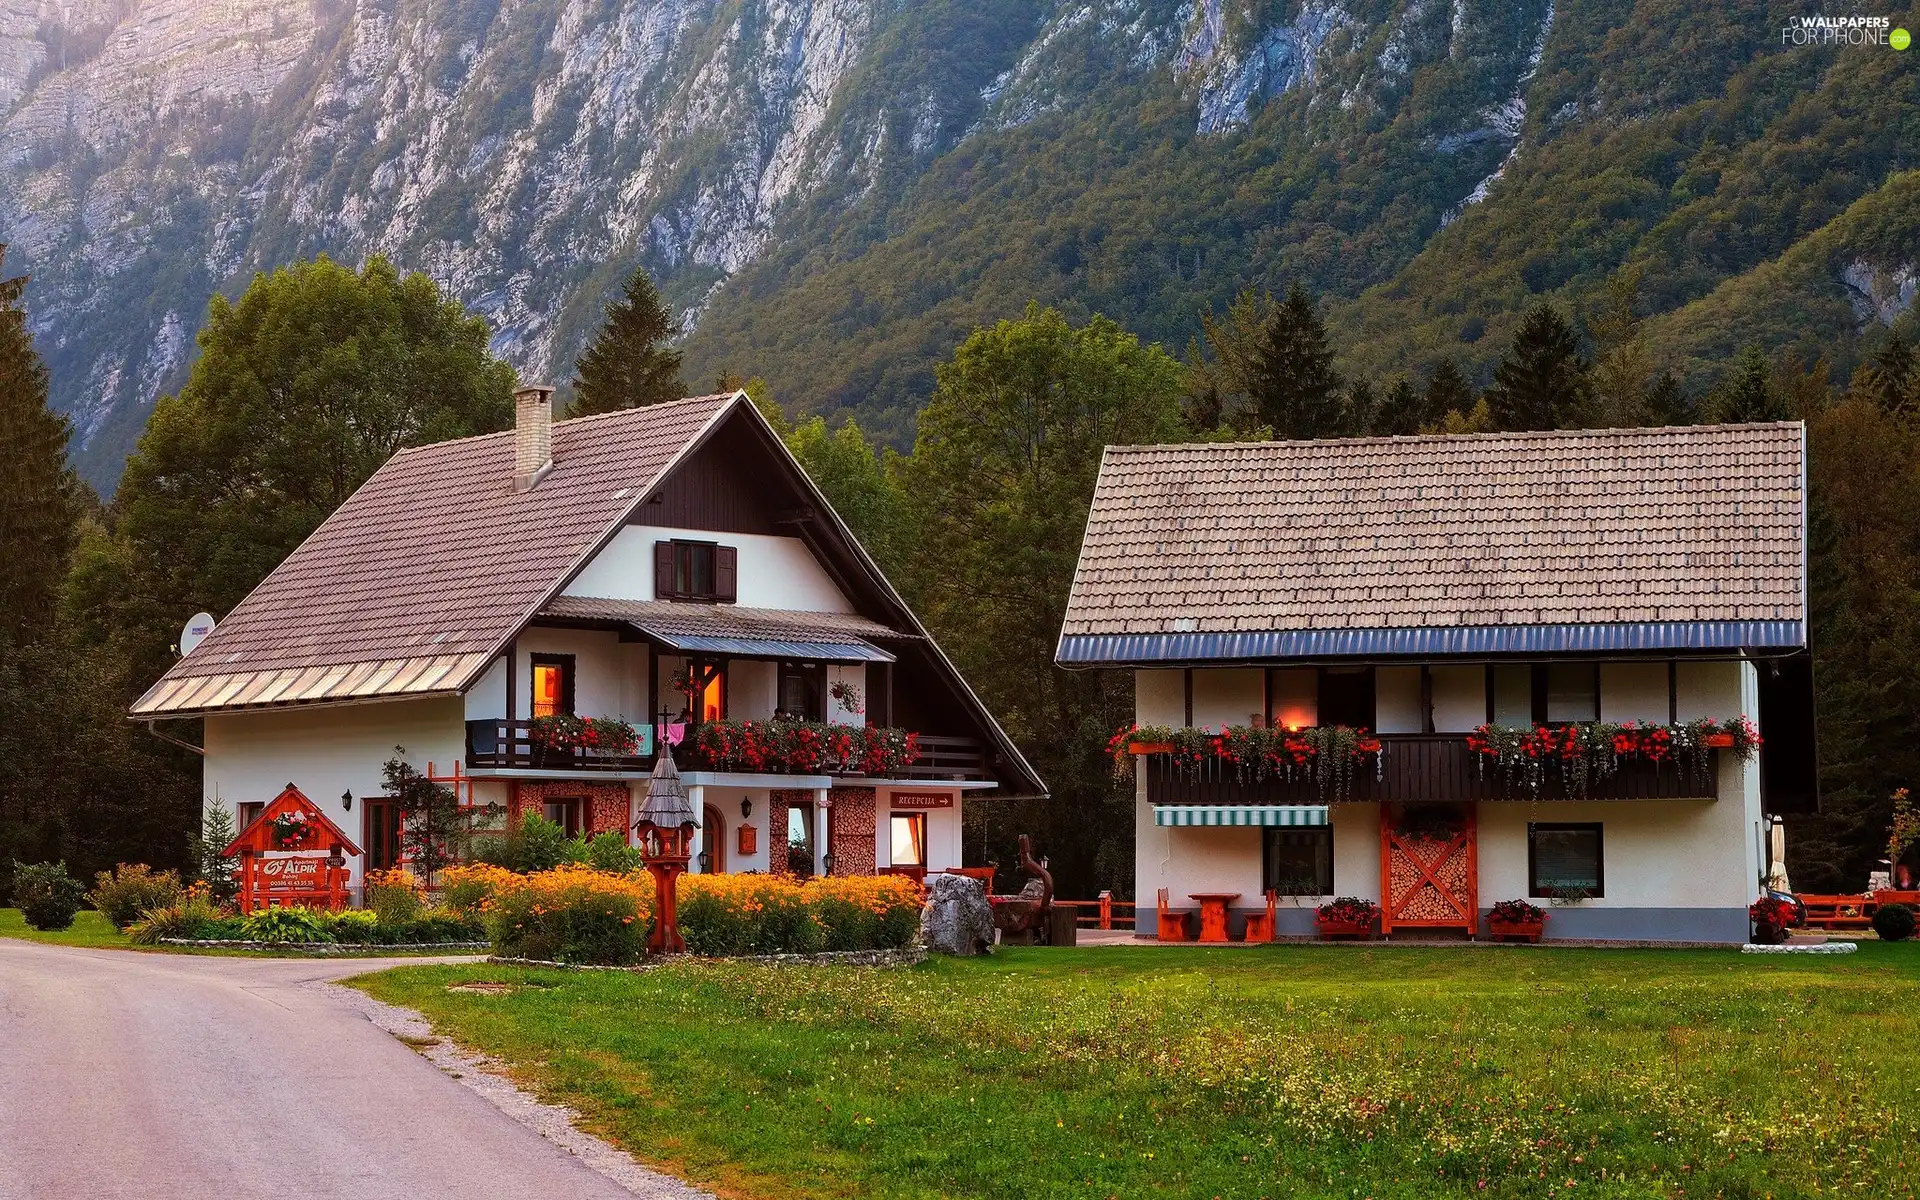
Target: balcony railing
(510, 744)
(1413, 768)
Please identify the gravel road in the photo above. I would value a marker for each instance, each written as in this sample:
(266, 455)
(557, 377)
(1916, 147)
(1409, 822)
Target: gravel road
(164, 1075)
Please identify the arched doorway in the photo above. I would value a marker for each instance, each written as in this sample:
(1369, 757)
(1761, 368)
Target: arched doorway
(713, 836)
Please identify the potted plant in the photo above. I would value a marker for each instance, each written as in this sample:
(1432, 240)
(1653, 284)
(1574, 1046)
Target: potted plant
(291, 832)
(1516, 918)
(1771, 917)
(1348, 916)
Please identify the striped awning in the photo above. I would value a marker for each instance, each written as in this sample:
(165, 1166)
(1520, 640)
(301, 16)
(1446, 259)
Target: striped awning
(1239, 814)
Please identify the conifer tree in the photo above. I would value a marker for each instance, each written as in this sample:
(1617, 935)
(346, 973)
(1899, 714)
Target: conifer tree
(1748, 393)
(1668, 403)
(1890, 377)
(38, 492)
(632, 361)
(1447, 392)
(1542, 383)
(1293, 385)
(1400, 410)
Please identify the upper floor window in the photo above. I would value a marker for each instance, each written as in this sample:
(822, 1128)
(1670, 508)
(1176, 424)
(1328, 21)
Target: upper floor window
(803, 691)
(700, 571)
(552, 684)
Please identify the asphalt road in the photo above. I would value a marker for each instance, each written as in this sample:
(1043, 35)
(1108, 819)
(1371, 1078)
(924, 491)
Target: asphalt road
(162, 1075)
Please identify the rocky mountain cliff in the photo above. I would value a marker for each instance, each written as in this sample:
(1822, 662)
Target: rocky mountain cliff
(832, 191)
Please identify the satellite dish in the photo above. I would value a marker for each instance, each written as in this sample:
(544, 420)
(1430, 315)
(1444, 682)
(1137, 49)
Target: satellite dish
(198, 626)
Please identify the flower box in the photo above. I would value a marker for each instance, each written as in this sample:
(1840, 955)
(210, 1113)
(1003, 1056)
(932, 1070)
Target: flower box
(1333, 927)
(1718, 741)
(1141, 749)
(1531, 931)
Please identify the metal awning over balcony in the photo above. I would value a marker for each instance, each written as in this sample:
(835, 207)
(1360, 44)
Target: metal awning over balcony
(1240, 814)
(728, 629)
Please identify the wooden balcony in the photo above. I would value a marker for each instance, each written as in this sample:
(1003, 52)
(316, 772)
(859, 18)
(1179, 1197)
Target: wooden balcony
(508, 744)
(1416, 768)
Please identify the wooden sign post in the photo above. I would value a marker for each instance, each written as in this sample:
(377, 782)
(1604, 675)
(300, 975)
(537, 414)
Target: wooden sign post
(292, 856)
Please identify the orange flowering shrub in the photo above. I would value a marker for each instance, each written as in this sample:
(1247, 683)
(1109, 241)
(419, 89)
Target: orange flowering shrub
(771, 914)
(569, 914)
(394, 895)
(466, 887)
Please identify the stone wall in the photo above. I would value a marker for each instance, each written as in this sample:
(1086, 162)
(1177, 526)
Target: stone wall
(607, 811)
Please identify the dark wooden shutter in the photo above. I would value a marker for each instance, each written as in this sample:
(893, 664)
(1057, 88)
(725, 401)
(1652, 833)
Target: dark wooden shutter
(663, 571)
(726, 574)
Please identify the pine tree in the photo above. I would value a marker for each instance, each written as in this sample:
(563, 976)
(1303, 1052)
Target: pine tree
(1400, 410)
(632, 362)
(1621, 370)
(38, 492)
(1668, 403)
(1748, 392)
(1889, 378)
(1542, 383)
(1294, 388)
(1447, 392)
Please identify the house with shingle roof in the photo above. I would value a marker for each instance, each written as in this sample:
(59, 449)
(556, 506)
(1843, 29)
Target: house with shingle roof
(1437, 673)
(533, 615)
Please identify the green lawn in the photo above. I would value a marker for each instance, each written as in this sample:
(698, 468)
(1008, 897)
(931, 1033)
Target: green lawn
(88, 929)
(1290, 1071)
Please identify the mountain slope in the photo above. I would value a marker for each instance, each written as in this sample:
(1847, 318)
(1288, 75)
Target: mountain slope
(833, 191)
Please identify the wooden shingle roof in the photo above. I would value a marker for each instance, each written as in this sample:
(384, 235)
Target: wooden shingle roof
(1204, 550)
(416, 581)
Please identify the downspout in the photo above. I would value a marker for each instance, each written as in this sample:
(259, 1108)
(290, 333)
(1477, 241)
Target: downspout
(167, 737)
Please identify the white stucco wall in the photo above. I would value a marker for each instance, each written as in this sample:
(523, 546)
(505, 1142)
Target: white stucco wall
(487, 698)
(610, 677)
(753, 688)
(326, 751)
(1459, 698)
(1159, 698)
(1633, 691)
(943, 828)
(855, 674)
(1396, 700)
(727, 801)
(1228, 696)
(775, 572)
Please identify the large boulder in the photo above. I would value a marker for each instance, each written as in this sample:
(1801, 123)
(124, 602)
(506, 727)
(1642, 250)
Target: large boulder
(957, 918)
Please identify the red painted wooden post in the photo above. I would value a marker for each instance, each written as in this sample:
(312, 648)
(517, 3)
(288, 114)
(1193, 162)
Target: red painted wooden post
(1106, 910)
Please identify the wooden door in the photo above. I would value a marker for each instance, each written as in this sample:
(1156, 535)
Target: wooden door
(713, 835)
(382, 833)
(1429, 871)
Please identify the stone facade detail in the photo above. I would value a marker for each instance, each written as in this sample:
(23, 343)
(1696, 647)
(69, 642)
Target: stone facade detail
(608, 804)
(850, 830)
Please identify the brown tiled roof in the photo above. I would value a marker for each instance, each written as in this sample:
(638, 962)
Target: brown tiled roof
(1695, 524)
(420, 576)
(720, 620)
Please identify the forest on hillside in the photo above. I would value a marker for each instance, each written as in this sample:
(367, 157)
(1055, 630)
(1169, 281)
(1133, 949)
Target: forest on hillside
(319, 372)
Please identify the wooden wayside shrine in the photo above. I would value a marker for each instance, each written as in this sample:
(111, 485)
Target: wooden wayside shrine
(292, 856)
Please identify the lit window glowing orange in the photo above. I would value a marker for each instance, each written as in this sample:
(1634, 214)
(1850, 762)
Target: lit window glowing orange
(713, 699)
(549, 687)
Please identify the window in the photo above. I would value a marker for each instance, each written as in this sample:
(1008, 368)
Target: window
(552, 685)
(1573, 692)
(1512, 694)
(249, 812)
(803, 691)
(909, 839)
(705, 572)
(1346, 697)
(1564, 860)
(800, 839)
(568, 813)
(1299, 862)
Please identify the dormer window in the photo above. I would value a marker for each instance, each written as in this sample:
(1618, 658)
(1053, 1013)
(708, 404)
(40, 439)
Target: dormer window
(702, 572)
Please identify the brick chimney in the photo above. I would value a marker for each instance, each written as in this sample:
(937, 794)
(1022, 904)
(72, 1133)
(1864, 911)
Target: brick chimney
(532, 436)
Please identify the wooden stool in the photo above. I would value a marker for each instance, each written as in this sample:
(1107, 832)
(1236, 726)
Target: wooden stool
(1260, 928)
(1173, 925)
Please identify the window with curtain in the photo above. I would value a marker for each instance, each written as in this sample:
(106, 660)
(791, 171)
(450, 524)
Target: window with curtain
(552, 685)
(1299, 862)
(909, 838)
(1564, 860)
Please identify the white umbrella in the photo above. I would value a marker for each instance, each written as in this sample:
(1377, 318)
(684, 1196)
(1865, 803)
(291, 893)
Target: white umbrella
(1777, 858)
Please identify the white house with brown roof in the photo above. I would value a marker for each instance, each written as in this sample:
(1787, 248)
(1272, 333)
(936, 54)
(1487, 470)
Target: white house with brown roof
(1542, 644)
(530, 613)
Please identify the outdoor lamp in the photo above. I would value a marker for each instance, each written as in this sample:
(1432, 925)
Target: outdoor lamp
(346, 800)
(826, 862)
(746, 807)
(705, 860)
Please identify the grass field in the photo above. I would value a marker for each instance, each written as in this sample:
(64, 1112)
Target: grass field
(88, 929)
(1384, 1072)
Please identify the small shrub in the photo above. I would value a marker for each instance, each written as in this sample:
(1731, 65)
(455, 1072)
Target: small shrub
(570, 914)
(394, 896)
(537, 845)
(131, 889)
(1893, 922)
(464, 890)
(286, 925)
(193, 915)
(354, 926)
(46, 895)
(610, 852)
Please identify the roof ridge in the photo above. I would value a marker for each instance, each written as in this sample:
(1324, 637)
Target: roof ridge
(618, 412)
(1496, 435)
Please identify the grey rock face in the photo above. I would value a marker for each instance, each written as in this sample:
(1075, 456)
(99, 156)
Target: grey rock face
(957, 918)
